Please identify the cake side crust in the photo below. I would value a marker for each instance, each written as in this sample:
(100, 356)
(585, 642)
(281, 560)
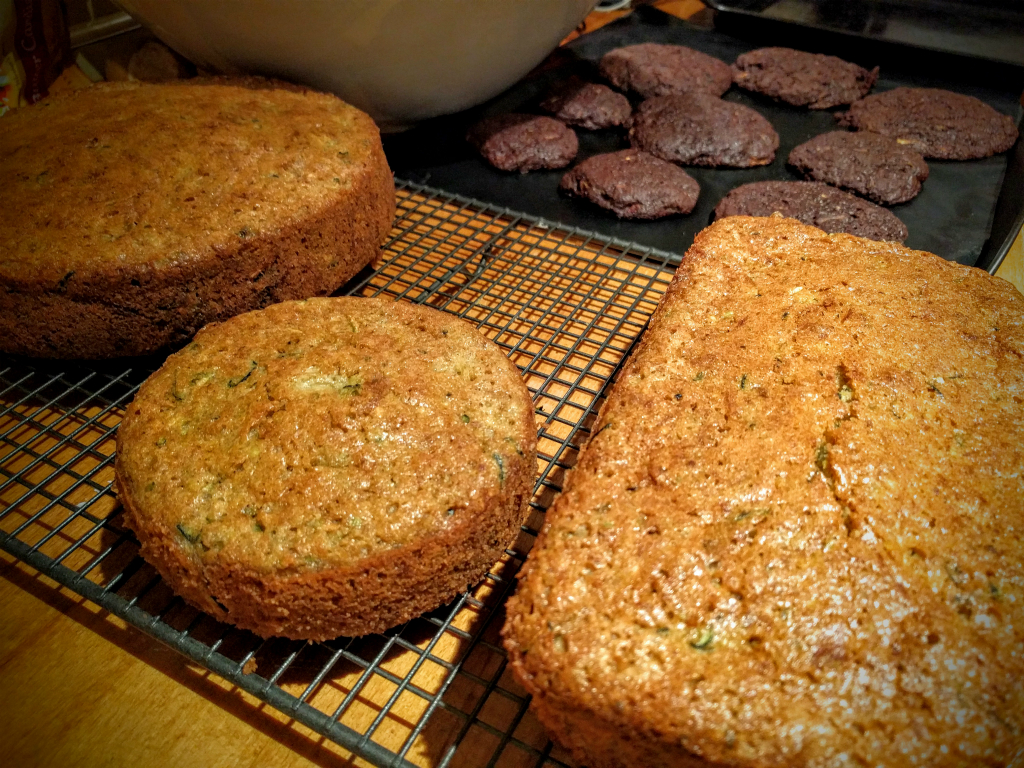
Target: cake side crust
(125, 252)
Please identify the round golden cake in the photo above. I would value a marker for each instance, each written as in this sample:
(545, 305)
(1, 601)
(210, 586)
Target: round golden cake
(133, 214)
(328, 467)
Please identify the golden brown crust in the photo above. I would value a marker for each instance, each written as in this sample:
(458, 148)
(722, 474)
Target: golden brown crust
(328, 467)
(794, 538)
(164, 207)
(373, 596)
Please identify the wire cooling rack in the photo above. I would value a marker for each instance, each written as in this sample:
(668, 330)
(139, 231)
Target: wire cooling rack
(565, 305)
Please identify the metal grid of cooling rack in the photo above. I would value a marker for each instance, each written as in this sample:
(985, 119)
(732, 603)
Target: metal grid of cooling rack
(565, 306)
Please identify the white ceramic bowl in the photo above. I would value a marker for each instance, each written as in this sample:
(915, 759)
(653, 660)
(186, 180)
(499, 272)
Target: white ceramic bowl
(399, 60)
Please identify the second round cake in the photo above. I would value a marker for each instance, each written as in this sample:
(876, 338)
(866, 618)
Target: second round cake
(328, 467)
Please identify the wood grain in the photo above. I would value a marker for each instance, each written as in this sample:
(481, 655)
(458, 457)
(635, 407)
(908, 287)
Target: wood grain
(80, 688)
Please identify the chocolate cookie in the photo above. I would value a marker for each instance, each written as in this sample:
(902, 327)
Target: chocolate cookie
(816, 204)
(698, 129)
(633, 185)
(804, 79)
(655, 69)
(937, 123)
(518, 142)
(874, 166)
(588, 105)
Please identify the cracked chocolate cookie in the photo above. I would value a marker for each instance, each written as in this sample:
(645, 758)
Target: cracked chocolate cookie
(935, 122)
(519, 142)
(588, 105)
(803, 79)
(633, 185)
(656, 69)
(698, 129)
(813, 203)
(872, 165)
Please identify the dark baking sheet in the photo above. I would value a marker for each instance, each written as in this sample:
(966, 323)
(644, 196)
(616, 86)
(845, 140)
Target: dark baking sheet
(953, 215)
(987, 29)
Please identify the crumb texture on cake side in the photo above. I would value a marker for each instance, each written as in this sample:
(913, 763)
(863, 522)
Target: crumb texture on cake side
(328, 467)
(794, 537)
(133, 214)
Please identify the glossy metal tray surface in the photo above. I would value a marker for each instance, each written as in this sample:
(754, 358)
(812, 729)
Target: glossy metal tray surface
(987, 29)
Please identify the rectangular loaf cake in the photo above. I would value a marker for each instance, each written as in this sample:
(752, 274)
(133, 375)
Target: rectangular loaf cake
(795, 537)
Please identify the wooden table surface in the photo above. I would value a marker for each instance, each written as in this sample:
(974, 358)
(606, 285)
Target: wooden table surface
(78, 687)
